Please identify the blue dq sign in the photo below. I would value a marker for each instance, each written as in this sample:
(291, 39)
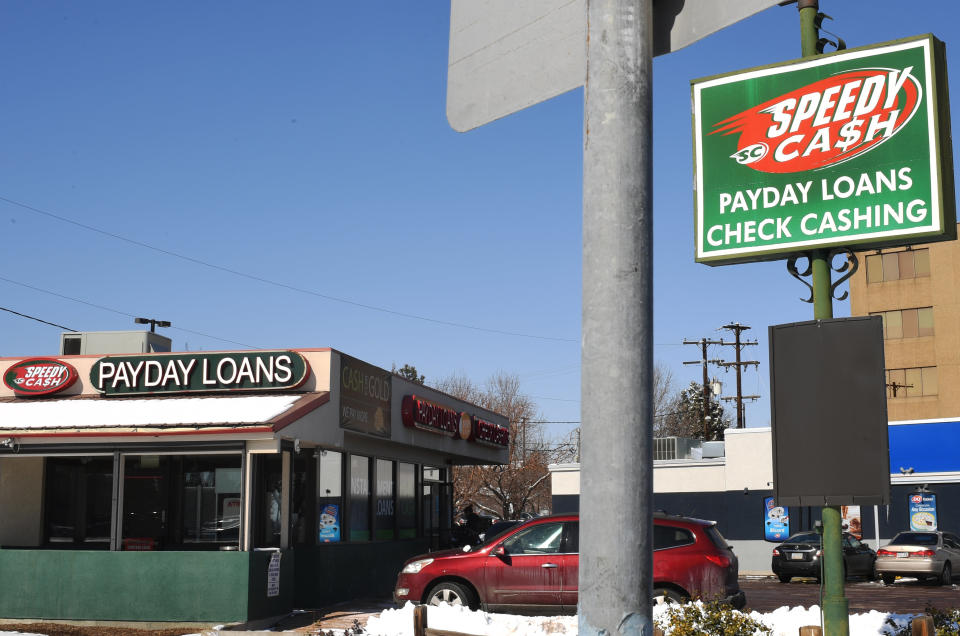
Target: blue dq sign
(923, 511)
(776, 521)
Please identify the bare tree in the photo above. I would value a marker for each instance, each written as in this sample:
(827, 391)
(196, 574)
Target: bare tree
(662, 396)
(522, 484)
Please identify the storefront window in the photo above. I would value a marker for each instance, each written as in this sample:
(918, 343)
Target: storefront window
(329, 496)
(268, 476)
(301, 508)
(359, 498)
(435, 502)
(78, 500)
(180, 501)
(145, 495)
(386, 511)
(407, 500)
(211, 500)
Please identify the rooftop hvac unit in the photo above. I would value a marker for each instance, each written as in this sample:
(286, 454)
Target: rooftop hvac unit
(674, 447)
(712, 450)
(107, 342)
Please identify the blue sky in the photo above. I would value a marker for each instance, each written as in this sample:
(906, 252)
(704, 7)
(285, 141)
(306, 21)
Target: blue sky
(277, 176)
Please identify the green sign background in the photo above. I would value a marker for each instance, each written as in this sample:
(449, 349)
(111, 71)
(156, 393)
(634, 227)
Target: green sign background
(922, 146)
(199, 372)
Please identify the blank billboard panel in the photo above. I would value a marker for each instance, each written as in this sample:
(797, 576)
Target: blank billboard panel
(829, 413)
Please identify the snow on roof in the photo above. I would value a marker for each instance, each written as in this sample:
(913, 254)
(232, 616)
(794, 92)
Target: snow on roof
(127, 413)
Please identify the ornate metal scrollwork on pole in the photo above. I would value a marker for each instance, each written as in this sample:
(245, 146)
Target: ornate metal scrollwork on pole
(848, 267)
(807, 271)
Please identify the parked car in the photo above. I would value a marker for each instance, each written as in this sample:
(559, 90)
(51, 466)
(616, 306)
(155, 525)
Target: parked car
(924, 554)
(800, 555)
(534, 566)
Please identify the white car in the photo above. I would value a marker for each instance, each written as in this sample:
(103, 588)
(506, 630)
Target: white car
(920, 554)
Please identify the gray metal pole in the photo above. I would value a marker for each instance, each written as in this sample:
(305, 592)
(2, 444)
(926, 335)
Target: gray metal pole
(616, 496)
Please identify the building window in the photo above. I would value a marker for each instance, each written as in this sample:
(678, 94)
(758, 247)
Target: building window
(212, 500)
(386, 509)
(302, 482)
(329, 496)
(915, 382)
(435, 504)
(907, 323)
(78, 501)
(359, 498)
(267, 493)
(407, 500)
(901, 265)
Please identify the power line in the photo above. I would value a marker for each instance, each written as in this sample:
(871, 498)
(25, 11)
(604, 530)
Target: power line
(46, 322)
(115, 311)
(268, 281)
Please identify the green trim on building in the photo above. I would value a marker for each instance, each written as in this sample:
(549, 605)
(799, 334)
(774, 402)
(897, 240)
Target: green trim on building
(141, 586)
(338, 572)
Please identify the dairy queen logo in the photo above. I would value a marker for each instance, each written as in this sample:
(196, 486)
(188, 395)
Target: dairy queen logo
(824, 123)
(916, 499)
(39, 376)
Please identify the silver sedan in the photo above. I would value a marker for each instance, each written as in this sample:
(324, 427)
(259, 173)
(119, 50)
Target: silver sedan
(926, 554)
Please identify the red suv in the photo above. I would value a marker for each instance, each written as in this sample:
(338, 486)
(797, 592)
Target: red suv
(534, 566)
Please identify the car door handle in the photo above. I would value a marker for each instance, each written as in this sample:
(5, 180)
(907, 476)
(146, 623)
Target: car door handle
(549, 565)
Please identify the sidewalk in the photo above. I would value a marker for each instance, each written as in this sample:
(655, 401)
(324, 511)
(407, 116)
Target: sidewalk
(338, 616)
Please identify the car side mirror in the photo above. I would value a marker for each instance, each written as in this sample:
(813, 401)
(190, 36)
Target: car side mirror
(500, 551)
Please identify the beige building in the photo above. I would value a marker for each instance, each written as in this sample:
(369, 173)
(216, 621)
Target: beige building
(917, 291)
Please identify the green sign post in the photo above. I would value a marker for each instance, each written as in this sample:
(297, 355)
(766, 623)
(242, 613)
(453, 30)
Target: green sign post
(850, 149)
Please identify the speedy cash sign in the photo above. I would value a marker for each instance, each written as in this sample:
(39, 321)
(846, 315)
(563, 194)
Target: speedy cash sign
(39, 376)
(416, 412)
(848, 149)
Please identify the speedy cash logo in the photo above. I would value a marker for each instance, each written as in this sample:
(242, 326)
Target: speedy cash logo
(39, 376)
(824, 123)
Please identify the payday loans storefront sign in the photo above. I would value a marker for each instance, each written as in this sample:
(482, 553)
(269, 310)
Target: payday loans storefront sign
(199, 372)
(847, 149)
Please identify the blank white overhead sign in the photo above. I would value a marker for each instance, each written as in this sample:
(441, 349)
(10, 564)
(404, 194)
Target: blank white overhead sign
(506, 55)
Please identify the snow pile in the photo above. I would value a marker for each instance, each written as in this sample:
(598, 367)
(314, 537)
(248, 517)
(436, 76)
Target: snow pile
(399, 622)
(785, 621)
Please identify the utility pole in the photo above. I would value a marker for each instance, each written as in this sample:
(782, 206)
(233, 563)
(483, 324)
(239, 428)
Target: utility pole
(616, 503)
(737, 329)
(896, 387)
(703, 342)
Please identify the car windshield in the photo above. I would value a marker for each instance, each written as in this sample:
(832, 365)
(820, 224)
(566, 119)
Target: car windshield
(809, 537)
(496, 530)
(915, 538)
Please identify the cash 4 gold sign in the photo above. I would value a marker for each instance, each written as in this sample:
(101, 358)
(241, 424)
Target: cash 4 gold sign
(417, 412)
(39, 376)
(850, 149)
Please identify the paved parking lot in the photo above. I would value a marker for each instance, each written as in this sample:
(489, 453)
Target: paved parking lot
(903, 597)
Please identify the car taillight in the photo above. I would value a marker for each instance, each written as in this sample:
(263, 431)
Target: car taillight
(884, 552)
(720, 560)
(923, 553)
(776, 552)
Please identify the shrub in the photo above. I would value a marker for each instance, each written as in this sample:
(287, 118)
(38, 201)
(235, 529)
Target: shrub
(709, 619)
(945, 623)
